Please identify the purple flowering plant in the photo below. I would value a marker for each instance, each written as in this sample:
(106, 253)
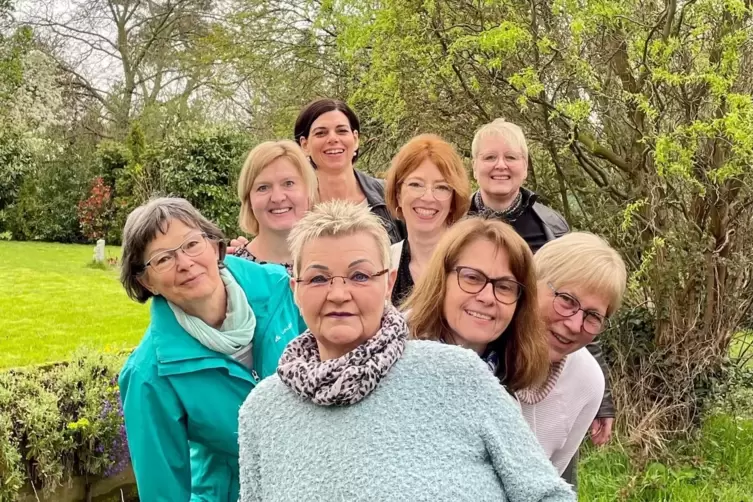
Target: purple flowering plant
(59, 421)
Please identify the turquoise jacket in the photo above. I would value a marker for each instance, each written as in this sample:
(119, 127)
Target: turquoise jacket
(181, 399)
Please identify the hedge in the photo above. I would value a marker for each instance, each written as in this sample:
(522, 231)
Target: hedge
(61, 426)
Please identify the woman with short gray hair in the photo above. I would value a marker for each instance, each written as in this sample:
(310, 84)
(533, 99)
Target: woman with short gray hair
(218, 326)
(356, 411)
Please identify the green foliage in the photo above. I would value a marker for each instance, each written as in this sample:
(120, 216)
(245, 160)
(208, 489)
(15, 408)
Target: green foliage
(639, 119)
(203, 167)
(60, 421)
(46, 206)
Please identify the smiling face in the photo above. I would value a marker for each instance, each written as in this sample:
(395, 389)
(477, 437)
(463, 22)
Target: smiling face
(564, 334)
(425, 212)
(499, 167)
(344, 314)
(331, 143)
(278, 196)
(478, 319)
(193, 278)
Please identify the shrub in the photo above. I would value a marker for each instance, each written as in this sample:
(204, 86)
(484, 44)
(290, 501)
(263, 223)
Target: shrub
(61, 421)
(95, 212)
(46, 207)
(203, 167)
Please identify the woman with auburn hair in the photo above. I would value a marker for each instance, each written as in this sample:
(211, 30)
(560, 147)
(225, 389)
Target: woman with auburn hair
(276, 187)
(428, 189)
(358, 412)
(479, 291)
(581, 281)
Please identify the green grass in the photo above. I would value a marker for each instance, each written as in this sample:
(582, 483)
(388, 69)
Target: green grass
(52, 303)
(717, 467)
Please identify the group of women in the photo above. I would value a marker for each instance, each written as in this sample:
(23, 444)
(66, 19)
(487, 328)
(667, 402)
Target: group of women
(397, 349)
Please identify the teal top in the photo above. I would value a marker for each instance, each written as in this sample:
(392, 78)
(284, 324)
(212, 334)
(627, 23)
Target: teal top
(181, 399)
(438, 427)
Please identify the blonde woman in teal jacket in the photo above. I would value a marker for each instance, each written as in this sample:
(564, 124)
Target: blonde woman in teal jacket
(218, 326)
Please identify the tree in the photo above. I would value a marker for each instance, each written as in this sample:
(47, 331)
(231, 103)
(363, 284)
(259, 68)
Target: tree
(636, 109)
(30, 107)
(127, 55)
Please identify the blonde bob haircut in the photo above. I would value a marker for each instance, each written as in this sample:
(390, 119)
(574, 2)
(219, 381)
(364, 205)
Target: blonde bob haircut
(337, 218)
(511, 133)
(522, 346)
(433, 148)
(257, 160)
(583, 260)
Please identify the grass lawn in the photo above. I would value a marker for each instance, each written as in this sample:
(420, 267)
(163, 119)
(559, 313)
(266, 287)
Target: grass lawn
(717, 467)
(52, 304)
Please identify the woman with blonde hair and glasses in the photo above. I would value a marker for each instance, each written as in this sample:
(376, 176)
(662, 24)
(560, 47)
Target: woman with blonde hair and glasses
(581, 280)
(277, 185)
(479, 291)
(359, 412)
(428, 188)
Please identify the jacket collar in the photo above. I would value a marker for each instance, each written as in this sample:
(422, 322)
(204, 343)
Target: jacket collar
(527, 200)
(371, 187)
(174, 344)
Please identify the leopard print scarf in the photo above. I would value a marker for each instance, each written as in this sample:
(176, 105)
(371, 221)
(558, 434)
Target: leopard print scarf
(347, 379)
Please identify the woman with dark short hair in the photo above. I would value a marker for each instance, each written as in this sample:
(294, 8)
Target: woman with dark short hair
(328, 131)
(218, 325)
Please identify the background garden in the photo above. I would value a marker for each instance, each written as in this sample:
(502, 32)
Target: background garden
(640, 122)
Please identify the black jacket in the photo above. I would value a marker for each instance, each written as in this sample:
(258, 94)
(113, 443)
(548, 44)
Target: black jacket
(373, 188)
(539, 224)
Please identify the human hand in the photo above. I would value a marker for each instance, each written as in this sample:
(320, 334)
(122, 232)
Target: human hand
(236, 244)
(601, 430)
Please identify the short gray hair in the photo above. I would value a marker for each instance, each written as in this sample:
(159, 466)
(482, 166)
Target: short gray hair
(141, 228)
(511, 133)
(337, 218)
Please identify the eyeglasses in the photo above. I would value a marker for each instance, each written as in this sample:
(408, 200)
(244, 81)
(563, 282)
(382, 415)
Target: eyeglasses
(355, 279)
(440, 191)
(567, 306)
(491, 159)
(473, 281)
(165, 260)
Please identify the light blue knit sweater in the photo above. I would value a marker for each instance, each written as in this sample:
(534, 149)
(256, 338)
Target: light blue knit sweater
(439, 427)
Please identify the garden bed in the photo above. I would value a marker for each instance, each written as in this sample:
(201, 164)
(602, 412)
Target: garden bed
(62, 435)
(118, 488)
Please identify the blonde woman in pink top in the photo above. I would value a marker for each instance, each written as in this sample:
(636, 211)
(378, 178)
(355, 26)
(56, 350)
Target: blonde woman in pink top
(581, 280)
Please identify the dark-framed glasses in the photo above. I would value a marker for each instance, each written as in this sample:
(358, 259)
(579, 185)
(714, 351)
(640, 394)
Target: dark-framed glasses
(440, 191)
(567, 305)
(507, 291)
(318, 279)
(163, 261)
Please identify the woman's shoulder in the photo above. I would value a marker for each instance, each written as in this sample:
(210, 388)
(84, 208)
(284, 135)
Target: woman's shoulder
(269, 394)
(455, 373)
(257, 280)
(456, 362)
(254, 269)
(583, 373)
(143, 360)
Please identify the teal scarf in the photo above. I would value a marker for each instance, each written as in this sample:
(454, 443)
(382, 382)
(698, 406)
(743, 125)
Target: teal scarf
(236, 331)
